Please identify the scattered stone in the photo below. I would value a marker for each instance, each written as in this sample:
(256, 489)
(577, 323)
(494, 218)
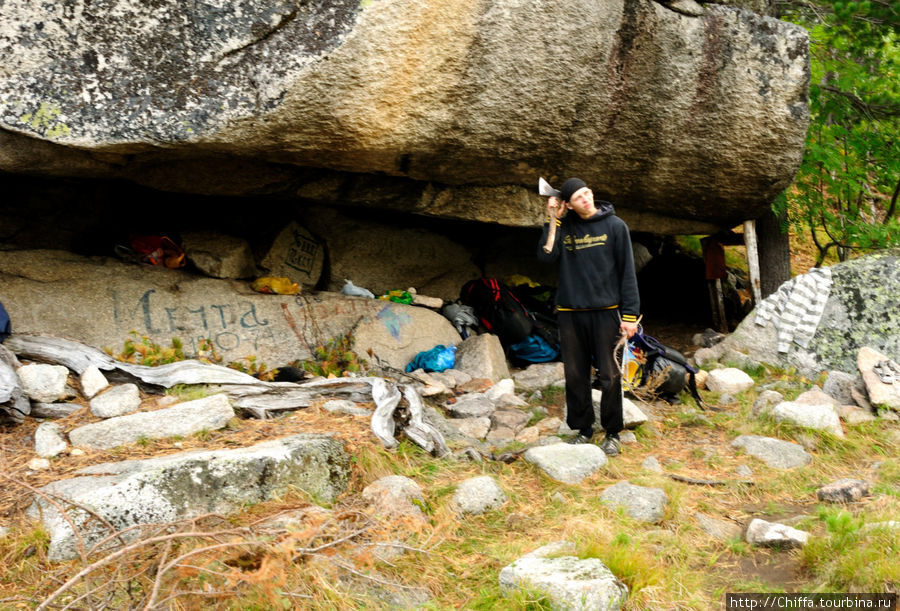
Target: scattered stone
(482, 356)
(632, 415)
(822, 417)
(505, 386)
(881, 394)
(766, 400)
(475, 385)
(160, 490)
(345, 406)
(737, 359)
(861, 397)
(839, 385)
(549, 424)
(210, 413)
(815, 396)
(744, 471)
(44, 383)
(775, 453)
(117, 401)
(4, 530)
(501, 435)
(772, 534)
(651, 463)
(567, 463)
(690, 8)
(528, 435)
(472, 405)
(539, 375)
(218, 255)
(510, 400)
(729, 380)
(856, 415)
(727, 399)
(433, 390)
(395, 496)
(54, 410)
(444, 378)
(627, 437)
(639, 502)
(704, 356)
(38, 464)
(48, 440)
(514, 419)
(569, 583)
(296, 519)
(845, 490)
(473, 427)
(435, 303)
(76, 452)
(880, 526)
(297, 254)
(459, 377)
(92, 381)
(700, 379)
(478, 495)
(716, 528)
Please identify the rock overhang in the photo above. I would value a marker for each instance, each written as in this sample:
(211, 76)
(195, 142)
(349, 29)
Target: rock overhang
(432, 107)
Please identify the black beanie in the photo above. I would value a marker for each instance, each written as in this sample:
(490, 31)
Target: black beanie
(568, 188)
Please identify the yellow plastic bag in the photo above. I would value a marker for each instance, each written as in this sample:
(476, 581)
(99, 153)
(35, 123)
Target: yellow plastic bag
(275, 286)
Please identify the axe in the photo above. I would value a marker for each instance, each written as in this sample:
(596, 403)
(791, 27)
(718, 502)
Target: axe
(546, 190)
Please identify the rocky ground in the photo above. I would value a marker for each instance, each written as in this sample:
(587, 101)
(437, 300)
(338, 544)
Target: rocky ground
(694, 505)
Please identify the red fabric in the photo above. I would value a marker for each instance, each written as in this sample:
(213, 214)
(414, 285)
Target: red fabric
(714, 258)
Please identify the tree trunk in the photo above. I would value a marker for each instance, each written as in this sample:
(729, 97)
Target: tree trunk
(774, 253)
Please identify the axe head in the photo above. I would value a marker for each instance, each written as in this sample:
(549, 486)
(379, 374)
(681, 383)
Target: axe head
(546, 190)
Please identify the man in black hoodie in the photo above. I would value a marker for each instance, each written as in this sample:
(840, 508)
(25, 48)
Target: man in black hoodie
(597, 300)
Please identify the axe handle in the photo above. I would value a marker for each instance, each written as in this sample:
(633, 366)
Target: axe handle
(551, 235)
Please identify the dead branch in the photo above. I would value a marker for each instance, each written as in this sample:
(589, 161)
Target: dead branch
(703, 482)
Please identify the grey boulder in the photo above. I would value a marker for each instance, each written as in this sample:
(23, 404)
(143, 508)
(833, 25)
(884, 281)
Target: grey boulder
(188, 484)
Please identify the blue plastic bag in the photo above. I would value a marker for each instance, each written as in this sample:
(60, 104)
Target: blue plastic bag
(438, 358)
(5, 325)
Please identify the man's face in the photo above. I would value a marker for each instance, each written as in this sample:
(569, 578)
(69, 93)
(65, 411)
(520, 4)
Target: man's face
(582, 202)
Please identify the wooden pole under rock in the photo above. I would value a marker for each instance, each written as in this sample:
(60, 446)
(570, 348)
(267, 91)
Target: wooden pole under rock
(752, 259)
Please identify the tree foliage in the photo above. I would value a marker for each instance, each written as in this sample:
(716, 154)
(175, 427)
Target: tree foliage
(846, 191)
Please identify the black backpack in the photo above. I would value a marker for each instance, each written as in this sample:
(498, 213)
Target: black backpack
(665, 369)
(498, 310)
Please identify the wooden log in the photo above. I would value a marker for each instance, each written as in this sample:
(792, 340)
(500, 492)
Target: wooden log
(386, 397)
(753, 259)
(77, 357)
(419, 431)
(13, 401)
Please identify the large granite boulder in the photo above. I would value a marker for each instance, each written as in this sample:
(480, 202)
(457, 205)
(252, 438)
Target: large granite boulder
(442, 108)
(99, 301)
(188, 484)
(861, 311)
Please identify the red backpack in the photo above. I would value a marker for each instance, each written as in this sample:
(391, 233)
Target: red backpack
(498, 309)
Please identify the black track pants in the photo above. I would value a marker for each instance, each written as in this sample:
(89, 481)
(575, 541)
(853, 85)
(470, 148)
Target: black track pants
(588, 338)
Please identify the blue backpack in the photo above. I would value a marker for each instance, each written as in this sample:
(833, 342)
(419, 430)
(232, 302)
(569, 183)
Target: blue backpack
(5, 324)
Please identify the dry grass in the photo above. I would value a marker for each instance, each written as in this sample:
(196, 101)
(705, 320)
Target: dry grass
(456, 560)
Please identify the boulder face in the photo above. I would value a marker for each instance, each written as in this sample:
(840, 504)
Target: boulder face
(861, 311)
(100, 301)
(450, 109)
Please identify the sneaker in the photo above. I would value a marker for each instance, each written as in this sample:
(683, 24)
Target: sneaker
(580, 438)
(611, 446)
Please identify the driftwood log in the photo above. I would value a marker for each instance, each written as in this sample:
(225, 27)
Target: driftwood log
(252, 397)
(13, 401)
